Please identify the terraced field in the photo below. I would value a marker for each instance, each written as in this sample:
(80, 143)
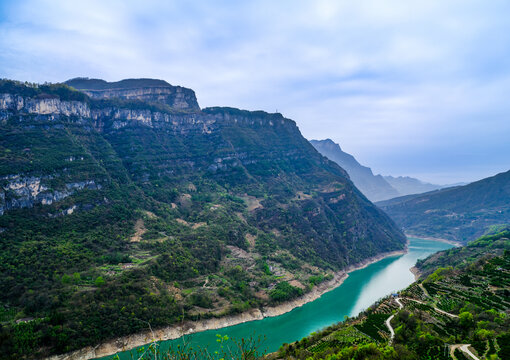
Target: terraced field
(447, 313)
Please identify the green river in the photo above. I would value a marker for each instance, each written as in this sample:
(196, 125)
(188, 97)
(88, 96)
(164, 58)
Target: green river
(362, 288)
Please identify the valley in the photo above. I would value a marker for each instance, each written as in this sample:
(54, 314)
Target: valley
(353, 294)
(254, 180)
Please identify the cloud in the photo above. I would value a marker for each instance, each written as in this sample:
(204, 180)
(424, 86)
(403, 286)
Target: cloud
(404, 86)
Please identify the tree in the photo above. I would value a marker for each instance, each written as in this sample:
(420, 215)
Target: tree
(99, 281)
(465, 318)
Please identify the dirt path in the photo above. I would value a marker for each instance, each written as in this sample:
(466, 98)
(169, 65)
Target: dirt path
(390, 328)
(424, 290)
(388, 322)
(435, 308)
(464, 348)
(139, 231)
(401, 306)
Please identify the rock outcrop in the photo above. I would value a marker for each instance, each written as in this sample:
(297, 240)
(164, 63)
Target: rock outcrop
(147, 90)
(18, 191)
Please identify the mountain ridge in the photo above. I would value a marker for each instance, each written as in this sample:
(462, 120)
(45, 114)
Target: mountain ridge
(407, 185)
(375, 187)
(147, 90)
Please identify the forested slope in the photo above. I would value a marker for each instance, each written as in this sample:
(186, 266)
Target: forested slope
(459, 213)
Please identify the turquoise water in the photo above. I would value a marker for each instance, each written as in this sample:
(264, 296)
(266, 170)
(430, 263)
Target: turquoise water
(362, 288)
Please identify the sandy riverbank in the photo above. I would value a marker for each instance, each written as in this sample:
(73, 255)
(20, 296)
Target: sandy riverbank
(175, 331)
(452, 242)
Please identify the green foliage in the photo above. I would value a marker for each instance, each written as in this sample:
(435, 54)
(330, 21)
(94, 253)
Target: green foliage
(283, 291)
(466, 319)
(99, 281)
(201, 299)
(373, 325)
(227, 348)
(439, 274)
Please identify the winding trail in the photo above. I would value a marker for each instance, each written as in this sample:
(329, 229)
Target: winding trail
(388, 322)
(401, 306)
(435, 308)
(424, 290)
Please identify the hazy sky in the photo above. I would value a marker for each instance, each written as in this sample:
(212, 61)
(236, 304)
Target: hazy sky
(418, 88)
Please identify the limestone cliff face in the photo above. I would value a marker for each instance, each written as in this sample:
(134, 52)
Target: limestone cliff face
(27, 189)
(19, 191)
(118, 117)
(51, 106)
(147, 90)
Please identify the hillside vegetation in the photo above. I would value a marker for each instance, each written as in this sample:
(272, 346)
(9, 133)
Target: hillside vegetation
(460, 213)
(116, 213)
(449, 310)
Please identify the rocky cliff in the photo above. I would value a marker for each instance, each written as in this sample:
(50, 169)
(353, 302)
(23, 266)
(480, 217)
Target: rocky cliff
(147, 90)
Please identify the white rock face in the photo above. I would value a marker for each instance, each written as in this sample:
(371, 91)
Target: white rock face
(20, 191)
(8, 101)
(181, 123)
(174, 96)
(44, 106)
(55, 106)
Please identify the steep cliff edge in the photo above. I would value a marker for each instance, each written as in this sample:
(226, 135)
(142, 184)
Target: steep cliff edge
(147, 90)
(121, 211)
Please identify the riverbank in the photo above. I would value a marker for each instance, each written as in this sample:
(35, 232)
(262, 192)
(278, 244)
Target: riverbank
(414, 270)
(175, 331)
(451, 242)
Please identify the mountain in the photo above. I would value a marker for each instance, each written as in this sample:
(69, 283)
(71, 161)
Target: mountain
(459, 213)
(406, 185)
(465, 302)
(374, 187)
(126, 204)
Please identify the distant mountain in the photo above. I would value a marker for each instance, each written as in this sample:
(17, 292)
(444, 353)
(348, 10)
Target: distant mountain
(406, 185)
(374, 187)
(459, 213)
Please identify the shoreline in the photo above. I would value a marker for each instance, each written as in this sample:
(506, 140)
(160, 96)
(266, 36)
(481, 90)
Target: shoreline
(171, 332)
(414, 270)
(451, 242)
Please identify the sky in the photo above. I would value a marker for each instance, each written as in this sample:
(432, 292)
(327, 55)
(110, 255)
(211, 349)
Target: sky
(417, 88)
